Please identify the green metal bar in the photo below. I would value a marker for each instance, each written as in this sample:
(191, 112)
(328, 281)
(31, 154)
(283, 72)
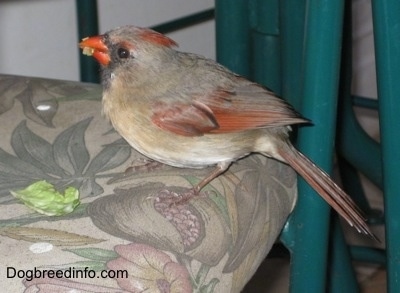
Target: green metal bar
(357, 147)
(368, 254)
(386, 20)
(265, 44)
(265, 16)
(353, 144)
(364, 102)
(87, 26)
(292, 15)
(367, 159)
(233, 35)
(265, 61)
(185, 21)
(322, 41)
(342, 275)
(292, 19)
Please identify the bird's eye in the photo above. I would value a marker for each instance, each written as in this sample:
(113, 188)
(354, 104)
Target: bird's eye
(123, 53)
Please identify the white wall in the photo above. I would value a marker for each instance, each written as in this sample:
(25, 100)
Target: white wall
(39, 37)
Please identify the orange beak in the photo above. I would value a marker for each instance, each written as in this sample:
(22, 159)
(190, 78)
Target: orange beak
(94, 46)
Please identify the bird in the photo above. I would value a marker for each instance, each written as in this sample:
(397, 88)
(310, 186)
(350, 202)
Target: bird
(187, 111)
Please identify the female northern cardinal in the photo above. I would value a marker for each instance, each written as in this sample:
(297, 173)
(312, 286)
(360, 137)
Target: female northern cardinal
(187, 111)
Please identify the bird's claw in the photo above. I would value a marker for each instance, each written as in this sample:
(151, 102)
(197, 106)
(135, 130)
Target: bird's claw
(171, 198)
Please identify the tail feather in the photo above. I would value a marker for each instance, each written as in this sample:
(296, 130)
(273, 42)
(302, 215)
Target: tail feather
(340, 201)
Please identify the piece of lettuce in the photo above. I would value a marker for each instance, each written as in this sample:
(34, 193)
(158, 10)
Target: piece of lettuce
(42, 197)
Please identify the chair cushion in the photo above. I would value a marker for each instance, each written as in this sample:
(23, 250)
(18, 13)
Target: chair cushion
(53, 130)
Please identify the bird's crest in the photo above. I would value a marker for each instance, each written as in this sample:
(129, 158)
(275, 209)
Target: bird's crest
(157, 38)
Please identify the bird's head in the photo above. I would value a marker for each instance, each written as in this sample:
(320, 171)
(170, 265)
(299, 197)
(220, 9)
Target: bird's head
(128, 47)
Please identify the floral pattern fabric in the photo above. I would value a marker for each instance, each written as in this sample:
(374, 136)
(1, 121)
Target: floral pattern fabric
(53, 130)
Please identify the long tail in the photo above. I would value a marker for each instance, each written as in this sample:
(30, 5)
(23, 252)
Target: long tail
(329, 190)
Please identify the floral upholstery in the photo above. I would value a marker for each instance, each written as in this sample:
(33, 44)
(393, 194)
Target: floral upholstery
(53, 130)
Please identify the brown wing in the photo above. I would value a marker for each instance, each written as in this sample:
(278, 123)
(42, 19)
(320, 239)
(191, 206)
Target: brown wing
(247, 106)
(193, 119)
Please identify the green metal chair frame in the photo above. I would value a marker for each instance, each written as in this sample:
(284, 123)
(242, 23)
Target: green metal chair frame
(386, 19)
(294, 47)
(310, 36)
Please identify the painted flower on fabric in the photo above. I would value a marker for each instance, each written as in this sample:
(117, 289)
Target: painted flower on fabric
(149, 270)
(134, 215)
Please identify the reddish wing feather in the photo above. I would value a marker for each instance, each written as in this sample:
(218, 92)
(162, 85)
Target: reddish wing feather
(247, 107)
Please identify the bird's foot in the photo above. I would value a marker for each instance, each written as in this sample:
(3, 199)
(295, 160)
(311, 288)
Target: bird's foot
(170, 198)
